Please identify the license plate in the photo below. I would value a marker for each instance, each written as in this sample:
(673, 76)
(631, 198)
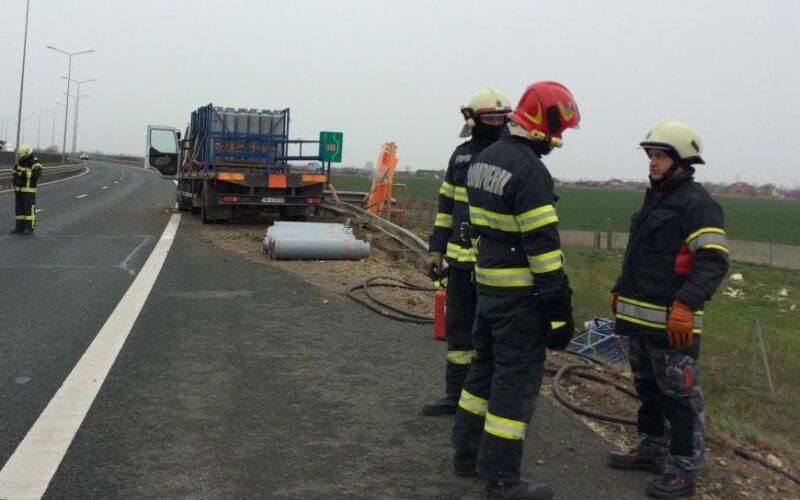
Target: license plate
(272, 199)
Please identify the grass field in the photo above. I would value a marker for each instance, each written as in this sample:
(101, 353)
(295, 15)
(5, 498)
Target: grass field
(748, 219)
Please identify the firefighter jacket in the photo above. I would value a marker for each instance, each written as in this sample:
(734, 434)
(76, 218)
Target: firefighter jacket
(26, 175)
(677, 250)
(451, 233)
(513, 217)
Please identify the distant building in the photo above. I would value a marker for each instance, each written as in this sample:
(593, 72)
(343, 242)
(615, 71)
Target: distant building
(741, 188)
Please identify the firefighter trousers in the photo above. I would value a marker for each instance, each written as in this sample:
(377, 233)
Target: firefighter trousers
(459, 316)
(499, 395)
(25, 210)
(671, 418)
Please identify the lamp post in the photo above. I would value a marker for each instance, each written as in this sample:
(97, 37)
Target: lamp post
(53, 129)
(66, 110)
(22, 78)
(39, 132)
(77, 97)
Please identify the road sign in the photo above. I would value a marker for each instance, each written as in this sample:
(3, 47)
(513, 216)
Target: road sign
(330, 146)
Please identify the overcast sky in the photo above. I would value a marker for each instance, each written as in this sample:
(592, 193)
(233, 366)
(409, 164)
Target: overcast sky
(398, 70)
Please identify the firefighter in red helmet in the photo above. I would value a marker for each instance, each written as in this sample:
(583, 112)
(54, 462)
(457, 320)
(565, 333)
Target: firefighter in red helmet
(524, 300)
(676, 257)
(484, 120)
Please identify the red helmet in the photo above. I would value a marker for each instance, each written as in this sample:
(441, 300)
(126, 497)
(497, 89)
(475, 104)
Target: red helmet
(545, 110)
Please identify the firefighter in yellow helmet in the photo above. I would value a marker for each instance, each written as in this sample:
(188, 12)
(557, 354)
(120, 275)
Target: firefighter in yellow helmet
(676, 257)
(484, 120)
(524, 301)
(25, 176)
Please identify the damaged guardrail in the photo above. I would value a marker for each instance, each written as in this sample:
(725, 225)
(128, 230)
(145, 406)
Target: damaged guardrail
(49, 174)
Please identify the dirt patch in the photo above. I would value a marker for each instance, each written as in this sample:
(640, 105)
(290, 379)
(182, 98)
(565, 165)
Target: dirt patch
(725, 475)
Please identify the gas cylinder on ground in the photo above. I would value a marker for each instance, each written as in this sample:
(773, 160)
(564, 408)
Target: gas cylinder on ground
(440, 304)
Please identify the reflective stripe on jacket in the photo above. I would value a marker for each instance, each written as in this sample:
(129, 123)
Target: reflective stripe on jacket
(451, 229)
(677, 250)
(513, 215)
(26, 176)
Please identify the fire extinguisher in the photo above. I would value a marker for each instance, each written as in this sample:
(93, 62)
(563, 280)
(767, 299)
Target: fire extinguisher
(440, 304)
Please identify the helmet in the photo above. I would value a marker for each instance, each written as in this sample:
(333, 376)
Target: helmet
(486, 101)
(24, 151)
(545, 110)
(677, 138)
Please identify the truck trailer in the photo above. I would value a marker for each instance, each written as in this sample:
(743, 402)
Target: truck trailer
(232, 163)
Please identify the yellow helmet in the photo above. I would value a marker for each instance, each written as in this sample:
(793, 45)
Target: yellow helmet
(486, 101)
(675, 137)
(24, 151)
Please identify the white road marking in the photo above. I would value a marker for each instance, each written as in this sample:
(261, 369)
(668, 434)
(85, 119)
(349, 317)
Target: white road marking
(81, 196)
(39, 210)
(116, 182)
(104, 187)
(31, 467)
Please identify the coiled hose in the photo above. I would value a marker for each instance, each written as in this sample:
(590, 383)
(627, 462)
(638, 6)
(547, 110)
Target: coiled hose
(389, 310)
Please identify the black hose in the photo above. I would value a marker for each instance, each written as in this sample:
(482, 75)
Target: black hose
(564, 370)
(397, 314)
(741, 452)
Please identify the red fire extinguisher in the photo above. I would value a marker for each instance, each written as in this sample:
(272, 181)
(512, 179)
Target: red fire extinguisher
(440, 304)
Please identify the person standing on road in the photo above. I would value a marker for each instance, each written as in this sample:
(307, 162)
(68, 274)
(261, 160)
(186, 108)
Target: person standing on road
(25, 176)
(524, 299)
(677, 255)
(485, 117)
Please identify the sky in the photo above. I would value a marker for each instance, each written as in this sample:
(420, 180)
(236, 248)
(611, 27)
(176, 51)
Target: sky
(398, 70)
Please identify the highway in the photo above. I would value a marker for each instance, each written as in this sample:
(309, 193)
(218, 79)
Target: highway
(233, 381)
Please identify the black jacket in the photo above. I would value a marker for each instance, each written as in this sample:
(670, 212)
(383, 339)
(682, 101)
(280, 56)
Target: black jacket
(26, 175)
(451, 234)
(677, 249)
(512, 212)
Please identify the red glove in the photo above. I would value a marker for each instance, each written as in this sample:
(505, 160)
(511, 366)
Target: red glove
(679, 326)
(614, 297)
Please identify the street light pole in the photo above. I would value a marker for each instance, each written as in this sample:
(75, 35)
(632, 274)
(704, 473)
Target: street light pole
(66, 110)
(77, 108)
(22, 78)
(53, 129)
(39, 133)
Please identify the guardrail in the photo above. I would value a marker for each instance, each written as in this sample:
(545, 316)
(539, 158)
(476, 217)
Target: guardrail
(49, 174)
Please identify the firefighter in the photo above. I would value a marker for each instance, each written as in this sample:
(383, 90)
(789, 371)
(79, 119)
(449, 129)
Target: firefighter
(524, 299)
(676, 258)
(485, 118)
(26, 174)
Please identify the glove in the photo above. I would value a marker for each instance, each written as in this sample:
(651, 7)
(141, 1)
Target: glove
(562, 325)
(614, 298)
(433, 265)
(679, 326)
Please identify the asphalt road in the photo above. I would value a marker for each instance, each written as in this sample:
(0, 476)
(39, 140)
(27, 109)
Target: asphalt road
(238, 380)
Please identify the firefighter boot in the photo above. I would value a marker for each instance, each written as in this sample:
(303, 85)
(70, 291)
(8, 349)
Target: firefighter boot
(636, 459)
(16, 231)
(671, 486)
(442, 406)
(520, 490)
(465, 465)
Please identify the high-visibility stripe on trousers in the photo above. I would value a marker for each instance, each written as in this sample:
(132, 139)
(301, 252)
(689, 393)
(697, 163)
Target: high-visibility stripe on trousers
(459, 315)
(499, 395)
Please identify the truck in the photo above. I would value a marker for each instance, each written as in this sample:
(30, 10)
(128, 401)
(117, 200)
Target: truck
(234, 163)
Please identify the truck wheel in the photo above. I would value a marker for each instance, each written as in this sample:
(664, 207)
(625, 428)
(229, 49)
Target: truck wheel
(204, 206)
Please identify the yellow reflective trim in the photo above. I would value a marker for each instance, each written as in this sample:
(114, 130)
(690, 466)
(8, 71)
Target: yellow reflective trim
(510, 277)
(461, 254)
(447, 189)
(460, 357)
(715, 247)
(443, 220)
(705, 230)
(461, 194)
(557, 324)
(643, 304)
(546, 262)
(640, 321)
(536, 218)
(473, 404)
(493, 220)
(504, 427)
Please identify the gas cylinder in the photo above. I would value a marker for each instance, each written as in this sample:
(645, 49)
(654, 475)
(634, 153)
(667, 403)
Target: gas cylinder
(440, 304)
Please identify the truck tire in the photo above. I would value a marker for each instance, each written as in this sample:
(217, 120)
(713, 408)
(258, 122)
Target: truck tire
(204, 205)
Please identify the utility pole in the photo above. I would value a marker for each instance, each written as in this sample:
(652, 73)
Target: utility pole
(66, 109)
(22, 78)
(77, 97)
(39, 133)
(53, 129)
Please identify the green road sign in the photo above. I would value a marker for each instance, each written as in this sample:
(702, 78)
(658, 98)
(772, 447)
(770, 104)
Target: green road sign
(330, 146)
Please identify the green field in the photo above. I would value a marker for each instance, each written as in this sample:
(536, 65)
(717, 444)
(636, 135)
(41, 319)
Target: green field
(747, 219)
